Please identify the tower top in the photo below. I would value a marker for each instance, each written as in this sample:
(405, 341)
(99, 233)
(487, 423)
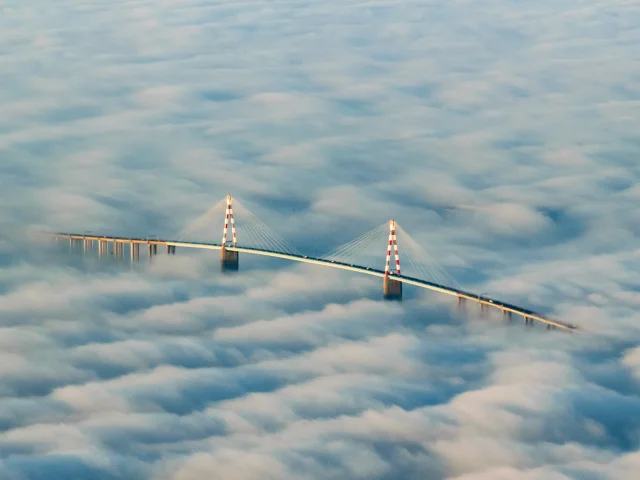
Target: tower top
(228, 218)
(393, 243)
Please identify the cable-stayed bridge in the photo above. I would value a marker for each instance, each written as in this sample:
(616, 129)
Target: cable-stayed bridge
(243, 232)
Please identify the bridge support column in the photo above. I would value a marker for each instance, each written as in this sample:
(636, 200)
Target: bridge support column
(228, 260)
(391, 289)
(461, 304)
(150, 250)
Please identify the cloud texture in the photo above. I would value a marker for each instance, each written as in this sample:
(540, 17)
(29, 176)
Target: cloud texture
(501, 134)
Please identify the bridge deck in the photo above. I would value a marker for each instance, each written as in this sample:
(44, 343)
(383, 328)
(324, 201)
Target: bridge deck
(483, 300)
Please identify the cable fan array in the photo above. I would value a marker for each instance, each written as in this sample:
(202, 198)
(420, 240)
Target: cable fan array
(422, 265)
(251, 231)
(368, 250)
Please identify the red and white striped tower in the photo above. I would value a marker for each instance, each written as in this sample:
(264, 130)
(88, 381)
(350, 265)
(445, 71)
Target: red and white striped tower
(229, 259)
(229, 217)
(233, 222)
(392, 288)
(392, 242)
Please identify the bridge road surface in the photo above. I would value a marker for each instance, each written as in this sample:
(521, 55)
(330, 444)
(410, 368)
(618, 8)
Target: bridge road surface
(460, 294)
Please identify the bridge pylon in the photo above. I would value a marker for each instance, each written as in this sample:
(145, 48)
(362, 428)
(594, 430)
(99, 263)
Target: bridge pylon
(391, 288)
(229, 258)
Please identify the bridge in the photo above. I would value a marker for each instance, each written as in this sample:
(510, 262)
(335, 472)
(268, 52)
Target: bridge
(263, 241)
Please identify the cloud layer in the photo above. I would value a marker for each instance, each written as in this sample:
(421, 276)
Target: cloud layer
(501, 135)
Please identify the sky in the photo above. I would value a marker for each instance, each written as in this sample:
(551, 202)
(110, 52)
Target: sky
(502, 135)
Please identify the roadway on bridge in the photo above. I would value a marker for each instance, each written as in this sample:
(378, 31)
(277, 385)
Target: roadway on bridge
(483, 300)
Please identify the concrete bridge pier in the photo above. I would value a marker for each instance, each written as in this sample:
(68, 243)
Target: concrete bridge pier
(461, 304)
(135, 252)
(228, 260)
(391, 289)
(171, 250)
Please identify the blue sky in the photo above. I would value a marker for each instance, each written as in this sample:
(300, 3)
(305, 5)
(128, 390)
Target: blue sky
(501, 134)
